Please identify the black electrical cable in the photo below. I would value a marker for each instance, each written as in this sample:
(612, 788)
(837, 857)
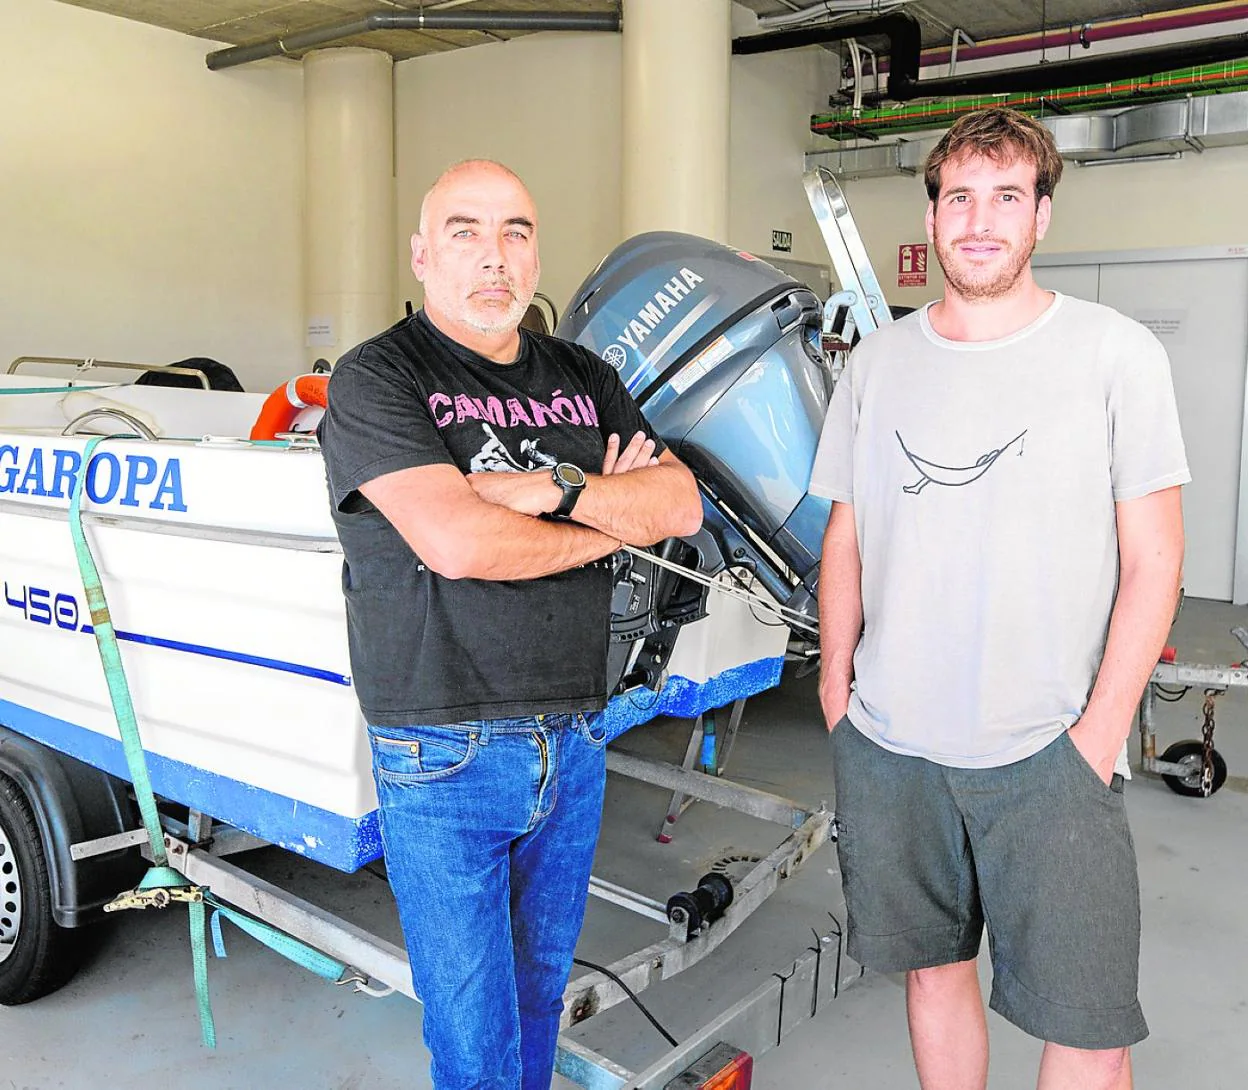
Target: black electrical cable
(748, 587)
(658, 695)
(1171, 696)
(628, 992)
(597, 969)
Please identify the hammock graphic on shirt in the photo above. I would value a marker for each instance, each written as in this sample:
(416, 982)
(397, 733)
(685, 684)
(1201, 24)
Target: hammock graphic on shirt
(953, 476)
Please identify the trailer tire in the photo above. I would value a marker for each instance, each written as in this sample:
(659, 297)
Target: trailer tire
(37, 956)
(1192, 753)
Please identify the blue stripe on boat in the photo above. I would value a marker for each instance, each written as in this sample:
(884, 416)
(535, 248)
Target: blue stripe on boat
(231, 656)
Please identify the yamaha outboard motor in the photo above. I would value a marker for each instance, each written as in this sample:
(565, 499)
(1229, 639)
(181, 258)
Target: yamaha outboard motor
(723, 354)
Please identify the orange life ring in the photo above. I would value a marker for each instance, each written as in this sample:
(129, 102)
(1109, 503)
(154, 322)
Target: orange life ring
(280, 408)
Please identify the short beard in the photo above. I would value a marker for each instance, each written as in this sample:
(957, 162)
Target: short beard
(506, 322)
(979, 290)
(486, 321)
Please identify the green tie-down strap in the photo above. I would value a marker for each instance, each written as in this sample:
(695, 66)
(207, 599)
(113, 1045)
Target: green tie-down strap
(168, 878)
(162, 885)
(110, 656)
(287, 945)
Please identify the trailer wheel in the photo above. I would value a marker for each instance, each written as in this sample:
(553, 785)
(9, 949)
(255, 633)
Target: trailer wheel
(1192, 754)
(36, 955)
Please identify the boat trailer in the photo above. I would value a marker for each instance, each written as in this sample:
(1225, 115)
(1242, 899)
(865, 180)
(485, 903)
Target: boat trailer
(696, 924)
(1192, 767)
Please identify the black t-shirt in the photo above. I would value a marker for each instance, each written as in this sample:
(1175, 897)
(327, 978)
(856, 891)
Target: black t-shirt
(425, 649)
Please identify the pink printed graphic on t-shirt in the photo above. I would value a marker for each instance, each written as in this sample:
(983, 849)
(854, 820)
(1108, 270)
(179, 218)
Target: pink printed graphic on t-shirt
(576, 410)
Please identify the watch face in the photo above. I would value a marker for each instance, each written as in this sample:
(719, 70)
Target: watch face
(570, 475)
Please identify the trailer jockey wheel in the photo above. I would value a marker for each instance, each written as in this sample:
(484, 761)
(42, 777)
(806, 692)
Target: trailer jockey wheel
(36, 955)
(1191, 754)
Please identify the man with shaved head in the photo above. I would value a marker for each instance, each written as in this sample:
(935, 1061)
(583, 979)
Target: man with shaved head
(480, 477)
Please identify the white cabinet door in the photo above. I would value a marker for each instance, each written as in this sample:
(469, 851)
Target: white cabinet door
(1199, 310)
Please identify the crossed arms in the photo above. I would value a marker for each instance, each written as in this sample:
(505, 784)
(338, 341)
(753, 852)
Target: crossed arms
(486, 525)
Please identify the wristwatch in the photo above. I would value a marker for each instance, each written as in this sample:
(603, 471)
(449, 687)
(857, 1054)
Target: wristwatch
(571, 479)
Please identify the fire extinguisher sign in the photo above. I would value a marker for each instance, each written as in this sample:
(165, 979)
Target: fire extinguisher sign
(912, 265)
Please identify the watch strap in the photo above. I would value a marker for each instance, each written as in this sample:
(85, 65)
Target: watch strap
(567, 502)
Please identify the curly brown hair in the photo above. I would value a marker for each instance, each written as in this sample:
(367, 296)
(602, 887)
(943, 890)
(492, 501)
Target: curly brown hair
(1002, 135)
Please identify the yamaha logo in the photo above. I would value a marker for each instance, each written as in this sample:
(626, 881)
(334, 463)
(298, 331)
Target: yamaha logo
(615, 355)
(667, 299)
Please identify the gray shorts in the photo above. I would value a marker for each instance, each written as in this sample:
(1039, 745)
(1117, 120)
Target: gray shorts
(1039, 850)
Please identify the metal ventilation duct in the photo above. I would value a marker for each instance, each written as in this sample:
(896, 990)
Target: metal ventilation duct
(871, 161)
(1158, 128)
(1210, 121)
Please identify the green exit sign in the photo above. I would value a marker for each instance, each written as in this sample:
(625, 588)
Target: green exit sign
(782, 241)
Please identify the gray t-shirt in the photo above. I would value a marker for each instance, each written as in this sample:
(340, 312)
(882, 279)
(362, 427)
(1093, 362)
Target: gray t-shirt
(983, 477)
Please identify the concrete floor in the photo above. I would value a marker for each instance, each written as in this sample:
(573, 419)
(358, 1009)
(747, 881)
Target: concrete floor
(129, 1015)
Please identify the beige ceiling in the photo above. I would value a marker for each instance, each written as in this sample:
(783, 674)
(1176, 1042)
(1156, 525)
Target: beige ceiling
(245, 22)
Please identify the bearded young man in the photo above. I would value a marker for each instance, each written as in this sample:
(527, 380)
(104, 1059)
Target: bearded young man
(999, 573)
(476, 544)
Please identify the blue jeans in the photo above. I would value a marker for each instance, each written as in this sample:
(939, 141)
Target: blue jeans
(489, 830)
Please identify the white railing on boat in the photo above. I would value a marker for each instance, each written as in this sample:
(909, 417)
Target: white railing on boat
(89, 363)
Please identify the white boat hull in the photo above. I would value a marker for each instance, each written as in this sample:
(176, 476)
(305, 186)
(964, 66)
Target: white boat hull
(222, 572)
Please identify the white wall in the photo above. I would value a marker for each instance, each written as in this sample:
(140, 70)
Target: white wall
(149, 209)
(546, 105)
(1194, 201)
(773, 96)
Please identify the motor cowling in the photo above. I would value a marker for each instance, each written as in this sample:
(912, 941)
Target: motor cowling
(722, 352)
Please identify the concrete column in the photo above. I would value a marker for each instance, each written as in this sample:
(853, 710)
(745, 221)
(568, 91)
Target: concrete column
(348, 98)
(675, 92)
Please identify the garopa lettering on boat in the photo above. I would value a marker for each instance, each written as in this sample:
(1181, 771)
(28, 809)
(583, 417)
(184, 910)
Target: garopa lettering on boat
(133, 480)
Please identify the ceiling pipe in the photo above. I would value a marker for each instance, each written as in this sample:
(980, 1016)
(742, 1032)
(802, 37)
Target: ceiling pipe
(487, 21)
(902, 31)
(1104, 68)
(1088, 34)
